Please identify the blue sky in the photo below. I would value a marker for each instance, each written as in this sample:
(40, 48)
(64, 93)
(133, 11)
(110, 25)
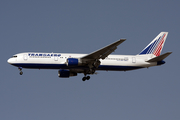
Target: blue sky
(83, 27)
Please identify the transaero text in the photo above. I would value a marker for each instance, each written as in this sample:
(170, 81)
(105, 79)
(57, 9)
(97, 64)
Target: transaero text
(43, 55)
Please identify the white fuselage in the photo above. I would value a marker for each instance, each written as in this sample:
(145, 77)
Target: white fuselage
(70, 64)
(58, 61)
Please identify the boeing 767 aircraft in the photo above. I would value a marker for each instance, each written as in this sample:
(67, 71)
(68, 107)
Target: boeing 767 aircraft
(70, 64)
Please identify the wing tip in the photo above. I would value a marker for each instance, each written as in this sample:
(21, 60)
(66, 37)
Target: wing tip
(123, 39)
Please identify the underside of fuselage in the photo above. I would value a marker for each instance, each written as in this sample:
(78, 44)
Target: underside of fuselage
(64, 66)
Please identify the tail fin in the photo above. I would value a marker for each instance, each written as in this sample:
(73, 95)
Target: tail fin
(156, 46)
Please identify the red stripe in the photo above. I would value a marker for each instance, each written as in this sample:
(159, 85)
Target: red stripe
(158, 48)
(157, 52)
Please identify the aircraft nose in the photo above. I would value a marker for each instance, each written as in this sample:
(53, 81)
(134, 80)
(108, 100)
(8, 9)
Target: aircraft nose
(9, 60)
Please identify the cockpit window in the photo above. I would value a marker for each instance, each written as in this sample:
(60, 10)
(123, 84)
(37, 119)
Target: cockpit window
(14, 56)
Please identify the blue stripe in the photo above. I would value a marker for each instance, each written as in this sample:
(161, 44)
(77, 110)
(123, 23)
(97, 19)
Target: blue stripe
(147, 49)
(150, 49)
(40, 66)
(64, 66)
(117, 68)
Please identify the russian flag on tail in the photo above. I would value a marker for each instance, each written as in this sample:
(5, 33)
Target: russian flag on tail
(156, 46)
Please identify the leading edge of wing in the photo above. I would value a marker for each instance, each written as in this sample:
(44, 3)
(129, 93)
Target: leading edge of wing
(104, 52)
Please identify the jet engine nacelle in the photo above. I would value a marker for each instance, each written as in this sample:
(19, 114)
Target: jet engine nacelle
(66, 73)
(73, 62)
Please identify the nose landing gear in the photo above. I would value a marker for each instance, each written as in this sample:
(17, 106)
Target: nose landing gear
(20, 69)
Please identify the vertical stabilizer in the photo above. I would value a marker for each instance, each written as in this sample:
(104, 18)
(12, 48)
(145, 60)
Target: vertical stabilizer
(156, 46)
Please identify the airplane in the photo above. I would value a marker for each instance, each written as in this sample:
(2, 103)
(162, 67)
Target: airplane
(70, 64)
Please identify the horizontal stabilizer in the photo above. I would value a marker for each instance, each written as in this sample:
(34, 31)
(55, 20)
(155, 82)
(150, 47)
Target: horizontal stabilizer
(159, 58)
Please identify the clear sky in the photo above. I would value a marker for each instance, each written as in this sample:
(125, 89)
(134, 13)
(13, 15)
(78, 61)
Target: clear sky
(78, 26)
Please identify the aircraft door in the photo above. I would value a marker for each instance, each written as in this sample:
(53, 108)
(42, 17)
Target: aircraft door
(55, 57)
(25, 56)
(133, 60)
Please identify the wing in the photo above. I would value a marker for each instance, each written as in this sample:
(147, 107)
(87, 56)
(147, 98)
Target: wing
(103, 52)
(92, 62)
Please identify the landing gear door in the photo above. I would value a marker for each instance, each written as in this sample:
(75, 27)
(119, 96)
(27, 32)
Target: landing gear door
(25, 56)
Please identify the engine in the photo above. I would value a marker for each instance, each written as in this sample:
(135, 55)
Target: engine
(73, 62)
(66, 73)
